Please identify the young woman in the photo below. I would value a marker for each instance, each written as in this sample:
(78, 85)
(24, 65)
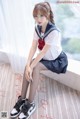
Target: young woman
(48, 40)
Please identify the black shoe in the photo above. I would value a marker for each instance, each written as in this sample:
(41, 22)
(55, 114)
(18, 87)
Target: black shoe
(17, 107)
(27, 110)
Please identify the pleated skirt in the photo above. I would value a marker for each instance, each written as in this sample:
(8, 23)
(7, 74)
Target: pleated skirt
(59, 65)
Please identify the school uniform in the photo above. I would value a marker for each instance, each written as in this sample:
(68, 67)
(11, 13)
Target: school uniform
(54, 59)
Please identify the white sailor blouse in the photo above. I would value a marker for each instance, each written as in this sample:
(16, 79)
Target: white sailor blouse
(52, 37)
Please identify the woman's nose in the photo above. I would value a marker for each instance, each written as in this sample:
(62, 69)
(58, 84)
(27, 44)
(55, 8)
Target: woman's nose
(39, 18)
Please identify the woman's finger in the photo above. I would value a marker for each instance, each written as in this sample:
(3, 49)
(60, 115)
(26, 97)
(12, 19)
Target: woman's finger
(27, 75)
(29, 79)
(31, 76)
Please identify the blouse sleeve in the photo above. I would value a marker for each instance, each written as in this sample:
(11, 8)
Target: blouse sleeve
(35, 36)
(53, 38)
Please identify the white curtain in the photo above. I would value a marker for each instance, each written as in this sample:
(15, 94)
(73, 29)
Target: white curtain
(16, 30)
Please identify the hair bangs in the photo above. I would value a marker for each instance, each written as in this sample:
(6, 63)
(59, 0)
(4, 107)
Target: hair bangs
(39, 10)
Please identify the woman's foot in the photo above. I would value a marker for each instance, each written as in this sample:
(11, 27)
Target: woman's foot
(17, 107)
(27, 110)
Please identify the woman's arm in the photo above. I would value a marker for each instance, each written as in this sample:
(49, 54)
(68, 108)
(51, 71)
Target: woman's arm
(40, 56)
(32, 52)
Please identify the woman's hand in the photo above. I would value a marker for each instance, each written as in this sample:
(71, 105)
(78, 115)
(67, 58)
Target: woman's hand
(28, 73)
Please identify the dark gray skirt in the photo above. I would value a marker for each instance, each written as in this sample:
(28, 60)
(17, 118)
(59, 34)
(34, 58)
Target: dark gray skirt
(59, 65)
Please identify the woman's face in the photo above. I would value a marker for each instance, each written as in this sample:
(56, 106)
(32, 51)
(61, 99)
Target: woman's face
(40, 19)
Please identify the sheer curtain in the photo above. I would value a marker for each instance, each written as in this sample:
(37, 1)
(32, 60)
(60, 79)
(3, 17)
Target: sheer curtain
(16, 30)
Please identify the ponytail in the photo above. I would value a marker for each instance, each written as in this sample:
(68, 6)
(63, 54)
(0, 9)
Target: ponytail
(51, 17)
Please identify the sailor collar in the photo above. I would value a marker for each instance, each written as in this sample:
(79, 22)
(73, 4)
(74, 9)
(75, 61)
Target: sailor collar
(49, 28)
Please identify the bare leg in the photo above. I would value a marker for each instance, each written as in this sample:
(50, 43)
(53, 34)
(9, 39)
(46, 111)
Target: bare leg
(34, 84)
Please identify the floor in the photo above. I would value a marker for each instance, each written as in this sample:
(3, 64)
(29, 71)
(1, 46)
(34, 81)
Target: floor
(53, 99)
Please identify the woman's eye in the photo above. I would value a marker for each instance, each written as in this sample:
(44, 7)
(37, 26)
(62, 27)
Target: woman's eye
(41, 15)
(38, 16)
(35, 17)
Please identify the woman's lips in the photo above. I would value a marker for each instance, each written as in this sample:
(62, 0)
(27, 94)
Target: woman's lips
(39, 22)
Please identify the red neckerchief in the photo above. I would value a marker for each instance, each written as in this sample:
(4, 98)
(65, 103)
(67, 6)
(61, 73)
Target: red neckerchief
(41, 43)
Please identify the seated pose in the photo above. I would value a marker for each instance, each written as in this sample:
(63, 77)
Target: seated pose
(47, 38)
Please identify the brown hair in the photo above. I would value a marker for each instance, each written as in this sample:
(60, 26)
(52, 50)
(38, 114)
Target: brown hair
(51, 13)
(45, 9)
